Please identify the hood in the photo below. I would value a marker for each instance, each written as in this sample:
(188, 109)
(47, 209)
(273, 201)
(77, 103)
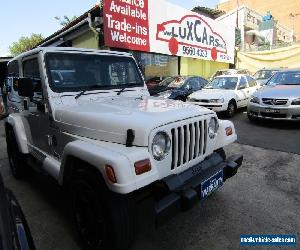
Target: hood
(108, 119)
(208, 94)
(279, 91)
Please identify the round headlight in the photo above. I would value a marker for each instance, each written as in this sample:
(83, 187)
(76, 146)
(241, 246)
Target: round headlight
(213, 127)
(161, 145)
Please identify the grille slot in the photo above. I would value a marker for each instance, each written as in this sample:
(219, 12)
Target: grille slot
(188, 142)
(270, 101)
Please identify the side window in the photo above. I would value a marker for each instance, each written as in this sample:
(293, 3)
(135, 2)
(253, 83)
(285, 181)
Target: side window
(203, 82)
(31, 70)
(243, 83)
(251, 81)
(194, 83)
(13, 69)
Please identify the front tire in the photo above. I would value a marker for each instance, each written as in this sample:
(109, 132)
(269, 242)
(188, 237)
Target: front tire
(231, 109)
(15, 157)
(103, 219)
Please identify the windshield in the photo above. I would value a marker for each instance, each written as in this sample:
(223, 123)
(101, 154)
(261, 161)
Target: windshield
(167, 81)
(177, 82)
(285, 78)
(223, 83)
(76, 72)
(264, 74)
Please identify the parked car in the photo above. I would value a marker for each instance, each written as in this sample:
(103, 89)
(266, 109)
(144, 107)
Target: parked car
(154, 81)
(14, 231)
(161, 86)
(182, 87)
(111, 145)
(263, 75)
(279, 99)
(230, 72)
(226, 93)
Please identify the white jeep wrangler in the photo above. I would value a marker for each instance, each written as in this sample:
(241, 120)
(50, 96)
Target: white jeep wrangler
(85, 118)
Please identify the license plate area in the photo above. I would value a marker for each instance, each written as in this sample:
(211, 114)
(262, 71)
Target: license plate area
(273, 111)
(211, 184)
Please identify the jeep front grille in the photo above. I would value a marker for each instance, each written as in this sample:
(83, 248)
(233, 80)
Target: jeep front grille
(188, 142)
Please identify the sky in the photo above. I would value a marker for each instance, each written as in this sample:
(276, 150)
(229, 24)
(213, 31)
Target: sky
(22, 18)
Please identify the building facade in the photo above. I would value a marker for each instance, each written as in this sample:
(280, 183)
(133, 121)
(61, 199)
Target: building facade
(87, 32)
(287, 12)
(258, 31)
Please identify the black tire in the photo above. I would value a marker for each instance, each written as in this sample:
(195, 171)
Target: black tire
(231, 109)
(180, 98)
(252, 119)
(222, 153)
(15, 157)
(103, 219)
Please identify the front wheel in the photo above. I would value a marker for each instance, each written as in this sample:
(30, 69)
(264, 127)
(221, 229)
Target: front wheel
(103, 219)
(15, 157)
(231, 109)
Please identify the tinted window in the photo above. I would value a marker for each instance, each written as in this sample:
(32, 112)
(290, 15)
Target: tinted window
(243, 82)
(251, 81)
(13, 69)
(31, 69)
(223, 83)
(76, 72)
(285, 78)
(194, 83)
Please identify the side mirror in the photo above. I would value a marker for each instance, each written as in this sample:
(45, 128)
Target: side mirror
(25, 87)
(241, 87)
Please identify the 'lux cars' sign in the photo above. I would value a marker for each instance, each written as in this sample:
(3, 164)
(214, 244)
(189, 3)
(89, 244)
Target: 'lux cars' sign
(160, 27)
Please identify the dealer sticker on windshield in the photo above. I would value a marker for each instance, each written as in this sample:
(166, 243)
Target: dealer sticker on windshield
(212, 184)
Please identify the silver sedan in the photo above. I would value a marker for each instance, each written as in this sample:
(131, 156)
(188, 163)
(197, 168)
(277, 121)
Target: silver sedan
(279, 99)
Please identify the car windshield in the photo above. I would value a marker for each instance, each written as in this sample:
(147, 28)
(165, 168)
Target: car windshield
(167, 81)
(70, 72)
(223, 83)
(178, 82)
(264, 74)
(285, 78)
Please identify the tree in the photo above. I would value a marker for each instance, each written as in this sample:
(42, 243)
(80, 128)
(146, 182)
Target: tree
(65, 20)
(25, 44)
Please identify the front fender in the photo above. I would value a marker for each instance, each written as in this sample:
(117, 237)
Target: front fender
(222, 139)
(16, 122)
(99, 154)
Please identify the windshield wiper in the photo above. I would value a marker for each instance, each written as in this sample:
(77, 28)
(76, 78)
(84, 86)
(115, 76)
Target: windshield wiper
(84, 91)
(119, 92)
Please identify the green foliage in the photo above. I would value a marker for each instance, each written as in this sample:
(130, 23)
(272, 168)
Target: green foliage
(65, 20)
(212, 13)
(25, 44)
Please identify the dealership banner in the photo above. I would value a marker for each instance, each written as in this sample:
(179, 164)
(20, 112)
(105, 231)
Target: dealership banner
(161, 27)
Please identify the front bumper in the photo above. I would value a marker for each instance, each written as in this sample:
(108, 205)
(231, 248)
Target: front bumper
(184, 189)
(217, 107)
(291, 112)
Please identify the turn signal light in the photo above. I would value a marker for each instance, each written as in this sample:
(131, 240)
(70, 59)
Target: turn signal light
(110, 173)
(142, 166)
(229, 131)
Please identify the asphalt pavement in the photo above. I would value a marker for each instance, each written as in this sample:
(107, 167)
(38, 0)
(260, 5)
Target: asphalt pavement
(263, 198)
(278, 135)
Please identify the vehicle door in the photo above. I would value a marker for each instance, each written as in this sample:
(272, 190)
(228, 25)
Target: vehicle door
(37, 115)
(242, 92)
(253, 85)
